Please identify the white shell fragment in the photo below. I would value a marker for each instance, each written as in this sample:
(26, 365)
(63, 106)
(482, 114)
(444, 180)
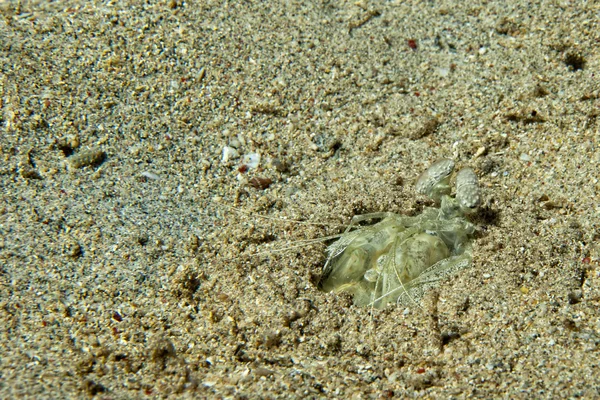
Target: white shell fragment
(434, 181)
(468, 193)
(251, 160)
(150, 175)
(229, 153)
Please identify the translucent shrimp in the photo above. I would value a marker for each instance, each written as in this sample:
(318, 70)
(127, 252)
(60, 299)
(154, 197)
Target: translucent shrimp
(398, 258)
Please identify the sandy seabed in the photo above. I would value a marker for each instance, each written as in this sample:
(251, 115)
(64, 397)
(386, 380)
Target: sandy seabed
(135, 257)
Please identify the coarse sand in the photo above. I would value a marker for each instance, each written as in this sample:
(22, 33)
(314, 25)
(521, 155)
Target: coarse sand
(147, 252)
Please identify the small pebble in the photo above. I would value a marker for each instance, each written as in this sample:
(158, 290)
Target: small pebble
(150, 175)
(280, 166)
(480, 151)
(87, 158)
(261, 371)
(260, 183)
(229, 153)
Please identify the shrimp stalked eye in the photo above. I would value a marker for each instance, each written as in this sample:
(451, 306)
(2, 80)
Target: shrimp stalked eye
(468, 193)
(434, 182)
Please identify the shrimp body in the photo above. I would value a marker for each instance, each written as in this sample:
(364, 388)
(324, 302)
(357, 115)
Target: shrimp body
(394, 258)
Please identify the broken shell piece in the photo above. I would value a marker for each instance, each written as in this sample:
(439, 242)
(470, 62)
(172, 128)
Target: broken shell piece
(260, 183)
(150, 175)
(468, 193)
(434, 181)
(251, 160)
(229, 153)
